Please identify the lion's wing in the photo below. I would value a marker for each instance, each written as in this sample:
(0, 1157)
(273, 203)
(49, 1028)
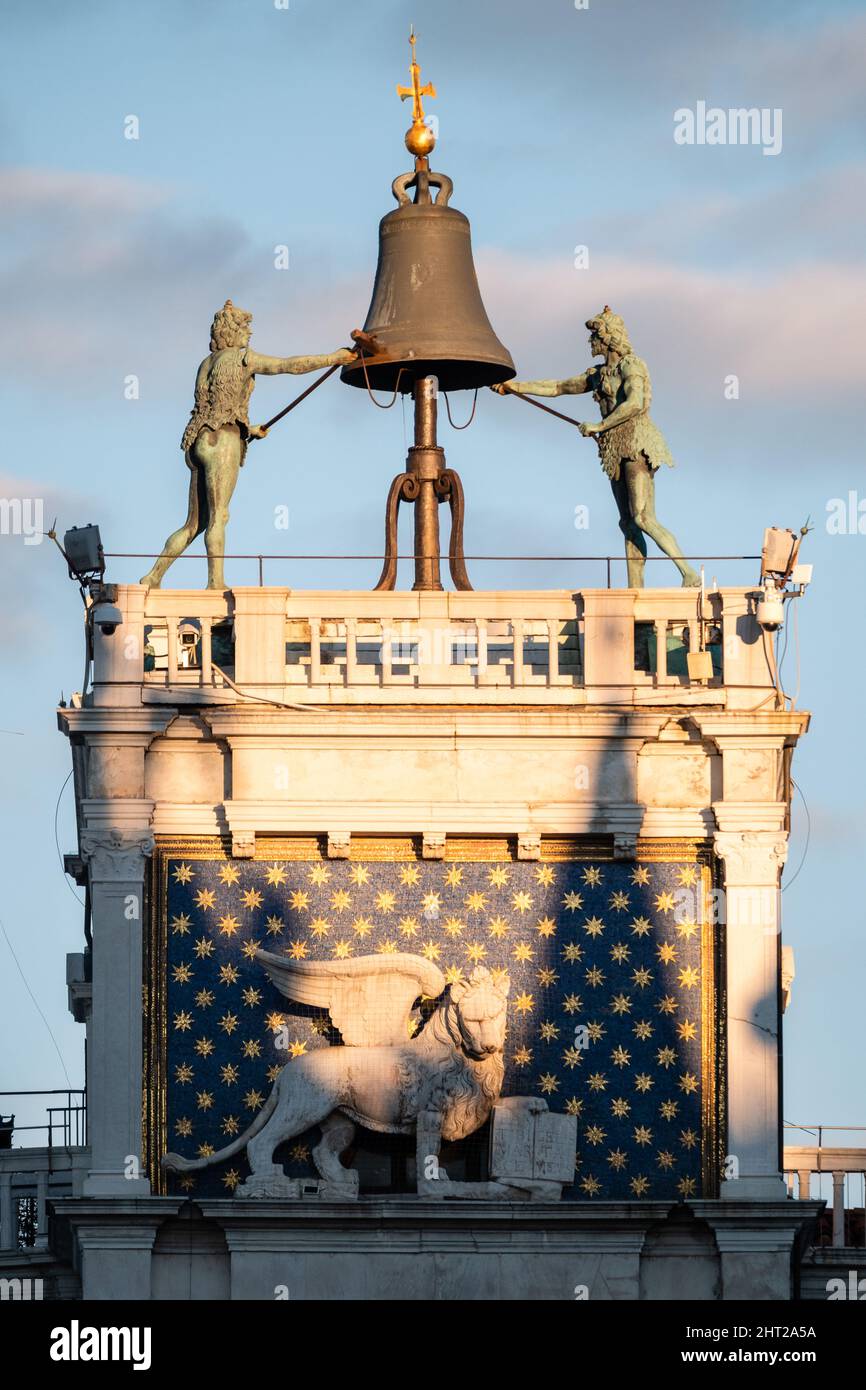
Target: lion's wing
(369, 998)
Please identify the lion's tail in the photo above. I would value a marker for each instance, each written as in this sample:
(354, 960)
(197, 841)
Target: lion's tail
(176, 1163)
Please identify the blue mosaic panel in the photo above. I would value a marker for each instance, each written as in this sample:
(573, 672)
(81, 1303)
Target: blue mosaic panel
(604, 1014)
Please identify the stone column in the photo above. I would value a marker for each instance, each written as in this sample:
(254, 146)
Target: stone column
(838, 1208)
(117, 860)
(8, 1231)
(752, 863)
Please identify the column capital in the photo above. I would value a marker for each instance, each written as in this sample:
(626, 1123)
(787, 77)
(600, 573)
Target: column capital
(116, 856)
(751, 857)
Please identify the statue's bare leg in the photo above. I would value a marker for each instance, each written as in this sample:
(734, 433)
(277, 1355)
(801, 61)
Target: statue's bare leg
(641, 502)
(221, 453)
(337, 1134)
(635, 545)
(178, 541)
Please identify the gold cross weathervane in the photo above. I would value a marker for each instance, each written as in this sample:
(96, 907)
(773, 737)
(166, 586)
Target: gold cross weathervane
(419, 137)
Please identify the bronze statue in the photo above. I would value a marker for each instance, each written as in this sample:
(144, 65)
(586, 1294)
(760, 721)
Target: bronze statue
(215, 440)
(630, 444)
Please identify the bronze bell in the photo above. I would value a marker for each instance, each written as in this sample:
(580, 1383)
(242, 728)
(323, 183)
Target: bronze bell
(426, 311)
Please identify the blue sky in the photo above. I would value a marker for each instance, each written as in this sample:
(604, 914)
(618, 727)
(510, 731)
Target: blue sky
(261, 126)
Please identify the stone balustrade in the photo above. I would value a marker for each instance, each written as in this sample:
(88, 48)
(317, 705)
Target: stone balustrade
(801, 1162)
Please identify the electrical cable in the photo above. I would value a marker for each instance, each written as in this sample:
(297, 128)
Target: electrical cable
(808, 837)
(263, 699)
(57, 842)
(36, 1003)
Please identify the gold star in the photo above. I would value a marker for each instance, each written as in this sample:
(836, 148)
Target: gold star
(689, 977)
(205, 998)
(596, 1031)
(594, 976)
(409, 927)
(572, 1003)
(545, 926)
(252, 898)
(297, 950)
(275, 875)
(639, 1185)
(319, 874)
(687, 929)
(524, 1003)
(597, 1081)
(642, 977)
(666, 1057)
(252, 1048)
(617, 1159)
(251, 997)
(228, 926)
(572, 901)
(229, 1074)
(687, 1187)
(182, 974)
(203, 948)
(521, 901)
(498, 877)
(186, 1181)
(667, 952)
(431, 902)
(183, 873)
(300, 1153)
(619, 900)
(274, 1021)
(453, 975)
(359, 874)
(621, 1004)
(590, 1185)
(573, 1106)
(476, 952)
(665, 1159)
(204, 1100)
(183, 1021)
(548, 1083)
(319, 927)
(205, 1150)
(643, 1030)
(640, 876)
(205, 898)
(409, 875)
(595, 1134)
(544, 875)
(687, 1030)
(342, 950)
(667, 1005)
(668, 1109)
(522, 1057)
(180, 925)
(204, 1047)
(249, 949)
(385, 901)
(688, 876)
(387, 948)
(183, 1128)
(594, 926)
(183, 1073)
(620, 1056)
(620, 1108)
(253, 1099)
(274, 1071)
(229, 874)
(297, 1049)
(549, 1032)
(453, 926)
(572, 1057)
(230, 1125)
(620, 953)
(454, 876)
(641, 926)
(275, 926)
(522, 951)
(688, 1083)
(477, 902)
(592, 877)
(299, 900)
(546, 977)
(572, 952)
(431, 951)
(688, 1138)
(497, 927)
(643, 1082)
(665, 901)
(362, 926)
(642, 1134)
(228, 1023)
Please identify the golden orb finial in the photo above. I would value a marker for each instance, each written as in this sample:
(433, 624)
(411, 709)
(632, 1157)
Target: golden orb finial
(420, 139)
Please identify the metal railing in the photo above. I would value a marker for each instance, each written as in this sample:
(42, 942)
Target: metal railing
(65, 1127)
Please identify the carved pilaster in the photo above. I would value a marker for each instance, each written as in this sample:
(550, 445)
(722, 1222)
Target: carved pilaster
(751, 857)
(116, 856)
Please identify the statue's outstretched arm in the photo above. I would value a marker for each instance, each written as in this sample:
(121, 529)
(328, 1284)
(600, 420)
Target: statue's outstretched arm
(296, 366)
(571, 386)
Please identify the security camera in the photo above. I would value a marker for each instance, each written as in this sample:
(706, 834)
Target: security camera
(107, 618)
